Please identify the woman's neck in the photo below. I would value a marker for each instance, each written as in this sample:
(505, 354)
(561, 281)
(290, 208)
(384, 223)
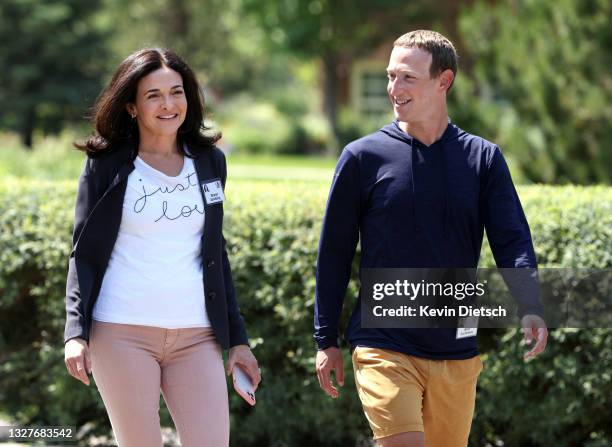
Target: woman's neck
(159, 146)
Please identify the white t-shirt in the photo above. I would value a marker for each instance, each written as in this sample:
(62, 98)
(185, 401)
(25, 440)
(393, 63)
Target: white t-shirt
(154, 276)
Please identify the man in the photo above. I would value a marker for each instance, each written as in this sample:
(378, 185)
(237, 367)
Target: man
(419, 194)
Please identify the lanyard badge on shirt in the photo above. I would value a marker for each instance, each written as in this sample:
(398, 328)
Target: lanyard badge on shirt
(213, 191)
(467, 327)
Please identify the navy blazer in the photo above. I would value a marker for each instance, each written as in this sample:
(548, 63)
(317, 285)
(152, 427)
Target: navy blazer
(98, 211)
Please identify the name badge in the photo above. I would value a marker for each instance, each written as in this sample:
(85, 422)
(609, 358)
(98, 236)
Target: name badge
(470, 330)
(213, 191)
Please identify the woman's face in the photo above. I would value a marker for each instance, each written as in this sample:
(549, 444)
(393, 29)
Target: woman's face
(161, 105)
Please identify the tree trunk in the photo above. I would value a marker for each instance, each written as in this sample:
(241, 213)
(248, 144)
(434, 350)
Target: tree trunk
(177, 32)
(27, 129)
(330, 100)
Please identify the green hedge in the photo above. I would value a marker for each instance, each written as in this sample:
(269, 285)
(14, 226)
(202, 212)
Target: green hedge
(561, 399)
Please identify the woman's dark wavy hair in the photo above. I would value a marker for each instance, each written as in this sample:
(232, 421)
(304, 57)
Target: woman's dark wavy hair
(114, 125)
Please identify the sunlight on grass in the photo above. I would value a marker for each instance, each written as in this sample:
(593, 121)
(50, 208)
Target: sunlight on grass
(54, 158)
(262, 172)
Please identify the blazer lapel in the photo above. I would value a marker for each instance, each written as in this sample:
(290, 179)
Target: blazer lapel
(206, 172)
(123, 174)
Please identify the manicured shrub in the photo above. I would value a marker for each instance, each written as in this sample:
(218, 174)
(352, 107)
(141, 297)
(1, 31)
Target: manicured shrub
(272, 228)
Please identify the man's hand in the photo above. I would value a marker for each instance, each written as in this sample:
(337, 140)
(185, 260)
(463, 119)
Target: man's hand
(534, 327)
(77, 359)
(242, 355)
(327, 361)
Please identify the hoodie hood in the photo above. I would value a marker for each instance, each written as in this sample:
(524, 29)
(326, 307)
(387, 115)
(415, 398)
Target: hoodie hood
(394, 131)
(450, 133)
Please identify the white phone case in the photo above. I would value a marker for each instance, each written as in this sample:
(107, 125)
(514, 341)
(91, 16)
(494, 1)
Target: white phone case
(243, 385)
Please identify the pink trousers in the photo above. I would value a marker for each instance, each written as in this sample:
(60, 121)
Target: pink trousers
(131, 364)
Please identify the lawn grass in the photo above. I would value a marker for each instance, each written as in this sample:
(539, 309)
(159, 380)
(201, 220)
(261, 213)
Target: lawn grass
(250, 172)
(302, 161)
(54, 158)
(280, 168)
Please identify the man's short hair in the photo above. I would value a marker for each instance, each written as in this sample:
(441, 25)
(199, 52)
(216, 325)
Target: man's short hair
(443, 54)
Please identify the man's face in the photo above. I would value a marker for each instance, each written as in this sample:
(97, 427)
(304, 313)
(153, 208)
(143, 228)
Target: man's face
(414, 94)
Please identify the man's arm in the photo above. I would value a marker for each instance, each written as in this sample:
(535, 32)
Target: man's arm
(339, 237)
(512, 247)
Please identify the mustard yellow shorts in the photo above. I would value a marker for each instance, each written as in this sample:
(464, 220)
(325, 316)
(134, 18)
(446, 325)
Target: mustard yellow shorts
(402, 393)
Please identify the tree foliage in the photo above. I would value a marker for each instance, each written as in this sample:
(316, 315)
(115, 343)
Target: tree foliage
(223, 46)
(534, 75)
(52, 56)
(334, 32)
(542, 72)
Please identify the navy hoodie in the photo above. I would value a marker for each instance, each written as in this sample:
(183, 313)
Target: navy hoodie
(416, 206)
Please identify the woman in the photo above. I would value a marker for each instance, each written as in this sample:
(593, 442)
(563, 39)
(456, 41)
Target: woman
(150, 300)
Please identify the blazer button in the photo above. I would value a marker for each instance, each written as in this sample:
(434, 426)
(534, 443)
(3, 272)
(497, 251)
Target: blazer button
(210, 263)
(212, 295)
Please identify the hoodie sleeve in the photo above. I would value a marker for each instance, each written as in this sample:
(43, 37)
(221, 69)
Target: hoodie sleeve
(339, 237)
(509, 236)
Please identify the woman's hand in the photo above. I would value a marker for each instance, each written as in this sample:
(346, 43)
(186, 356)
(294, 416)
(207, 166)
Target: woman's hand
(242, 355)
(77, 359)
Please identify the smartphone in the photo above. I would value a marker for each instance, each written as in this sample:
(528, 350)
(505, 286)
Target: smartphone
(243, 385)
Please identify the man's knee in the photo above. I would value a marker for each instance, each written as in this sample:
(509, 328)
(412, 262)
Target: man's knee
(409, 439)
